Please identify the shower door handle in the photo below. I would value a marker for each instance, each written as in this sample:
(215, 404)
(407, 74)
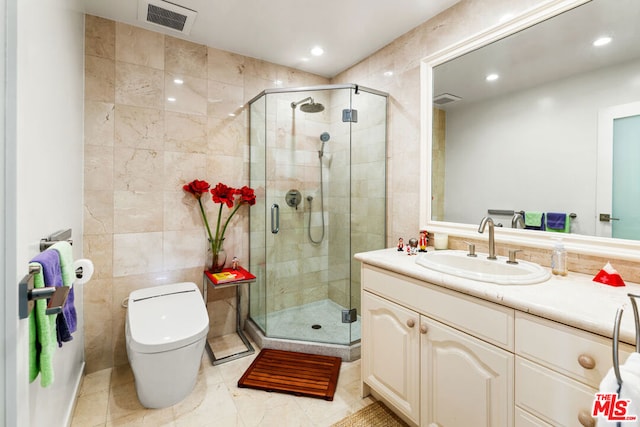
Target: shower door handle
(275, 218)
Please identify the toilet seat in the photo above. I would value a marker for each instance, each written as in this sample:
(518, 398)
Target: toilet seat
(167, 317)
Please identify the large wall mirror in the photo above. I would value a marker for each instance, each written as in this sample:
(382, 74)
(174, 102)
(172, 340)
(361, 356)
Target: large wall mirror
(536, 116)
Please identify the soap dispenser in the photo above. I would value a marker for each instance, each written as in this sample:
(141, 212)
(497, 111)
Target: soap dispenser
(559, 259)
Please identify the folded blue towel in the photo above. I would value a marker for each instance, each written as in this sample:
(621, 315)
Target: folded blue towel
(42, 326)
(69, 315)
(534, 220)
(558, 222)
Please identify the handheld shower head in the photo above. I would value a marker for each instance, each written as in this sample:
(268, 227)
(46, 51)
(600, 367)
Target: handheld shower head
(324, 137)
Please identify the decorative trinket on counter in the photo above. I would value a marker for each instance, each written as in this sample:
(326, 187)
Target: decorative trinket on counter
(412, 249)
(234, 263)
(423, 241)
(400, 244)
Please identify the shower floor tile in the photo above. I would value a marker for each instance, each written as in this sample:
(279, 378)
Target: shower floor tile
(300, 323)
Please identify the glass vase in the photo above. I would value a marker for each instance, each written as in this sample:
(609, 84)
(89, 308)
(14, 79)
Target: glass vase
(218, 257)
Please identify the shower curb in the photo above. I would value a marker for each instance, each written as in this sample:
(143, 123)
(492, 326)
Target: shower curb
(348, 353)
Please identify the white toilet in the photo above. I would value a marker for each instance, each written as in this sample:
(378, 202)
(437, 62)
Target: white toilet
(166, 329)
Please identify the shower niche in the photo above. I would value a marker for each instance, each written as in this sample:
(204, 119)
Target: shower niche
(307, 293)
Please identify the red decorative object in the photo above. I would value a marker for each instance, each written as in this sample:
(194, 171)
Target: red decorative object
(228, 275)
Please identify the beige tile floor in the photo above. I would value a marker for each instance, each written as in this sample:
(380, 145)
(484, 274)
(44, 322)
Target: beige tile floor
(108, 398)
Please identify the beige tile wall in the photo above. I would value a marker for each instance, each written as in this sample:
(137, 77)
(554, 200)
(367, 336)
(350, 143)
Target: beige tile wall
(140, 228)
(136, 156)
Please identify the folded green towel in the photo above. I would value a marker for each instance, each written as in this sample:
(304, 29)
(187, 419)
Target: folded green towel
(534, 219)
(42, 336)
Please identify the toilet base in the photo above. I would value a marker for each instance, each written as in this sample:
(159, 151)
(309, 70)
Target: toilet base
(164, 379)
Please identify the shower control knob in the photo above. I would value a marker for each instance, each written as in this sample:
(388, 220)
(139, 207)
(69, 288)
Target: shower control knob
(411, 323)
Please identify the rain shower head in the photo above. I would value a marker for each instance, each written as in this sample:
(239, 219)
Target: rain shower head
(312, 107)
(308, 107)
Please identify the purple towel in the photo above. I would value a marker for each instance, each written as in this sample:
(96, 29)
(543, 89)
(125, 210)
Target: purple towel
(68, 277)
(52, 273)
(556, 220)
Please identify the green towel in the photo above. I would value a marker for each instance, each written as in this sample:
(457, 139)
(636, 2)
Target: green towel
(533, 219)
(42, 336)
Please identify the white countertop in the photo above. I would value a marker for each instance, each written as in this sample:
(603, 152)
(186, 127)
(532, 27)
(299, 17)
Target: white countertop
(574, 300)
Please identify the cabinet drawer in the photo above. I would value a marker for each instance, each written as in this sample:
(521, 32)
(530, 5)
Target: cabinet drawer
(560, 347)
(554, 398)
(525, 419)
(490, 322)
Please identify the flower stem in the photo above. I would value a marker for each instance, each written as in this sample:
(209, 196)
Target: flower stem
(216, 242)
(230, 216)
(206, 223)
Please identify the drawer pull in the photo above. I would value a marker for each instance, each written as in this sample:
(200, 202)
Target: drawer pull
(585, 419)
(587, 362)
(424, 329)
(411, 323)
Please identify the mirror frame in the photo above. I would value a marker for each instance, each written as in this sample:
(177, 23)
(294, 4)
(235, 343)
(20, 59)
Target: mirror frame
(581, 244)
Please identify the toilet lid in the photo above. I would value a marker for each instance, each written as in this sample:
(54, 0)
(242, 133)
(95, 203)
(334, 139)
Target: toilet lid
(166, 317)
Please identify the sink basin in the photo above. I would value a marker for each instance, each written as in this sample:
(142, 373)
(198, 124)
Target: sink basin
(457, 263)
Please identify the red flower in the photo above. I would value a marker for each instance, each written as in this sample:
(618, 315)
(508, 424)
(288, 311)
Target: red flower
(196, 187)
(247, 195)
(223, 194)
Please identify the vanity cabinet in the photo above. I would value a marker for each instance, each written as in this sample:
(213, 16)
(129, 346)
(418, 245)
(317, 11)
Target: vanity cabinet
(432, 372)
(443, 358)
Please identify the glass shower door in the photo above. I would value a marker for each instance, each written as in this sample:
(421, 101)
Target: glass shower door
(317, 162)
(307, 194)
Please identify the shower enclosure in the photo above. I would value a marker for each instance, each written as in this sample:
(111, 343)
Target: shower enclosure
(318, 164)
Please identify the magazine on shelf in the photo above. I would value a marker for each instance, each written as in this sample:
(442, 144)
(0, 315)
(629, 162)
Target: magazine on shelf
(228, 275)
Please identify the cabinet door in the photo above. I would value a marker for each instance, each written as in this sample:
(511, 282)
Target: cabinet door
(390, 353)
(465, 381)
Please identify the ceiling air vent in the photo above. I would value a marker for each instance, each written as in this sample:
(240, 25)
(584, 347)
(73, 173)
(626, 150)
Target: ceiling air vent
(166, 15)
(445, 98)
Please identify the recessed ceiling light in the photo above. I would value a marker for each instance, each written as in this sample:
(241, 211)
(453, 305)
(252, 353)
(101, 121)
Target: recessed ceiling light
(388, 73)
(602, 41)
(232, 115)
(277, 82)
(317, 51)
(178, 81)
(171, 99)
(492, 77)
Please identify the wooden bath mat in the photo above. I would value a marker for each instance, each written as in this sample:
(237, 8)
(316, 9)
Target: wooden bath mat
(301, 374)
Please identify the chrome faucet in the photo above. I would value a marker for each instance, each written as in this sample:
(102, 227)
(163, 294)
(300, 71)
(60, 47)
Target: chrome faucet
(517, 219)
(492, 242)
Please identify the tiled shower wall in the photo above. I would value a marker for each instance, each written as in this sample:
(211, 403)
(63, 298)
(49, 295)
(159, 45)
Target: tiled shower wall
(352, 169)
(140, 228)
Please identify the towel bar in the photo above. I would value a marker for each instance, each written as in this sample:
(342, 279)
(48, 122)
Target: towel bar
(509, 212)
(616, 340)
(27, 294)
(616, 334)
(58, 236)
(57, 296)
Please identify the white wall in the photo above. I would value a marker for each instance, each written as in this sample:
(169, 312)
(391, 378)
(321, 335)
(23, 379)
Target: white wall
(45, 176)
(3, 271)
(534, 150)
